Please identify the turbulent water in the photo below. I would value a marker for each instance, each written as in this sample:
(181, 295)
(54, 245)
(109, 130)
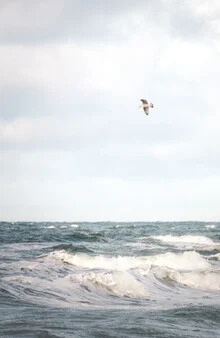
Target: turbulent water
(110, 279)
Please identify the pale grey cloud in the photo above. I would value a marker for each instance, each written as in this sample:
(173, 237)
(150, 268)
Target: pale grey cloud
(186, 23)
(31, 22)
(20, 101)
(46, 21)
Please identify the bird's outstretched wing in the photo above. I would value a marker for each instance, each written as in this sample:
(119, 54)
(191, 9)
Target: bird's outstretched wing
(146, 110)
(144, 101)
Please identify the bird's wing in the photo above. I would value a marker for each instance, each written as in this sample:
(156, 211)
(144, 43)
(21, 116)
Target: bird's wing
(146, 110)
(144, 101)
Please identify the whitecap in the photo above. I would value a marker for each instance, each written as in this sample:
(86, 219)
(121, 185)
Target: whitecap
(119, 283)
(210, 226)
(215, 257)
(206, 280)
(189, 241)
(186, 260)
(119, 263)
(184, 239)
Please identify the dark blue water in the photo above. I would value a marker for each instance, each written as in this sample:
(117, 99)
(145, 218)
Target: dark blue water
(110, 279)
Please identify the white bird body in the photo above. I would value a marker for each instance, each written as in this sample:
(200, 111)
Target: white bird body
(145, 105)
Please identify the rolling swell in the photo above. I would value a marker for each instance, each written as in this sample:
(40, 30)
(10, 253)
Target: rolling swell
(72, 248)
(133, 280)
(89, 237)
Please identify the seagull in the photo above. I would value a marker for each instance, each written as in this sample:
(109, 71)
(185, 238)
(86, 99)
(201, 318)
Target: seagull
(145, 105)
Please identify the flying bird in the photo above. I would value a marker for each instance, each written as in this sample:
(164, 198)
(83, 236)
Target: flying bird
(145, 105)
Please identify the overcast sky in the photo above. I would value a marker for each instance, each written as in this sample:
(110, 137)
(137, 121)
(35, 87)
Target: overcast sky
(74, 145)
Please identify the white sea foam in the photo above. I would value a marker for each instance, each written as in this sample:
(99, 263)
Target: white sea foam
(189, 242)
(207, 280)
(116, 282)
(92, 279)
(119, 275)
(97, 262)
(210, 226)
(216, 256)
(184, 239)
(185, 261)
(61, 226)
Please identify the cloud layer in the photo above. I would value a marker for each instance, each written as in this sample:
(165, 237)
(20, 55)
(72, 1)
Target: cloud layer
(72, 74)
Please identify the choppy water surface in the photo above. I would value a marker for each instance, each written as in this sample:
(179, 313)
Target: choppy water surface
(110, 279)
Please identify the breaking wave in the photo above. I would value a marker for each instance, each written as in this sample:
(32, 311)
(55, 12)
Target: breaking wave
(188, 241)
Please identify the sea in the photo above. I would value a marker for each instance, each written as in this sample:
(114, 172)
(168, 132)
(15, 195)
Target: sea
(110, 279)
